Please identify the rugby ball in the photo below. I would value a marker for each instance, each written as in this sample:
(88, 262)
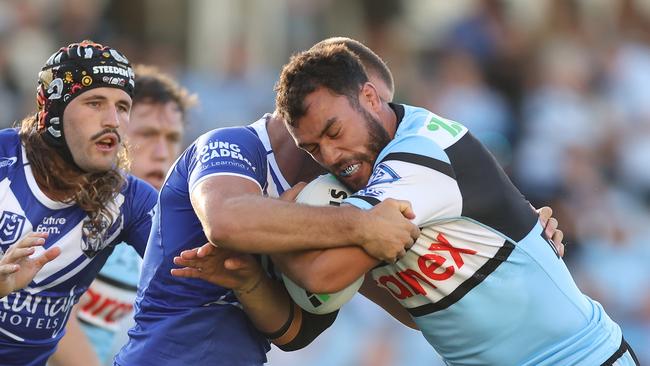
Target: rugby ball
(322, 191)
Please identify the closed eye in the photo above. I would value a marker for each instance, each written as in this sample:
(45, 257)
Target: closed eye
(333, 133)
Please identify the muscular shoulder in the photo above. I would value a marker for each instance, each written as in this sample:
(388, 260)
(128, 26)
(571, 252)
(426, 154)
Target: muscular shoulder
(424, 133)
(227, 151)
(242, 134)
(228, 140)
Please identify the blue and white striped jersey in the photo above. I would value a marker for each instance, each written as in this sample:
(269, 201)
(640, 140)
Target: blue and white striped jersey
(183, 321)
(482, 282)
(32, 320)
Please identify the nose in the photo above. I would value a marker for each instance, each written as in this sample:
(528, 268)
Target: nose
(161, 149)
(330, 155)
(111, 118)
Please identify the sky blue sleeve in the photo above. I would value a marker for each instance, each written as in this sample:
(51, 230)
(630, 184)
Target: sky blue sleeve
(417, 170)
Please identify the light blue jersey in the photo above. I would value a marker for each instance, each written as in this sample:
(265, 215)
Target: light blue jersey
(482, 282)
(32, 320)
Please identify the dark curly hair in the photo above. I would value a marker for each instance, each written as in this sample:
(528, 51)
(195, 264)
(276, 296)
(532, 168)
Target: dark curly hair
(370, 60)
(333, 67)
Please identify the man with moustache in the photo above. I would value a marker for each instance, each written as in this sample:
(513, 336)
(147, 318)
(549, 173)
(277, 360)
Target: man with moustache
(154, 136)
(67, 181)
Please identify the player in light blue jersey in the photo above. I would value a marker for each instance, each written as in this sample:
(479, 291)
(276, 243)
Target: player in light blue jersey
(65, 177)
(482, 282)
(286, 163)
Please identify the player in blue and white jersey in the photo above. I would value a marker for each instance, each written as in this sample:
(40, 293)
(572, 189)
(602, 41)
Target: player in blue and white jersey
(215, 191)
(154, 136)
(482, 282)
(225, 173)
(65, 177)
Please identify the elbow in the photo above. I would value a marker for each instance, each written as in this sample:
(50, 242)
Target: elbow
(221, 231)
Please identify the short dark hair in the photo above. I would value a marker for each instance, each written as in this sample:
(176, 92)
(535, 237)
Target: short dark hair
(370, 60)
(333, 67)
(154, 86)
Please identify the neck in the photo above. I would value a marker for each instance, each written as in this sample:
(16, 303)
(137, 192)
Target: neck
(295, 164)
(51, 171)
(388, 119)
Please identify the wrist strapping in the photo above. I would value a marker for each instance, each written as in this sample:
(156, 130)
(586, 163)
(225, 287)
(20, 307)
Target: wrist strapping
(290, 329)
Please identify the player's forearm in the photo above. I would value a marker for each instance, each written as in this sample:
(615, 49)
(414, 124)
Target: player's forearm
(325, 271)
(255, 224)
(266, 303)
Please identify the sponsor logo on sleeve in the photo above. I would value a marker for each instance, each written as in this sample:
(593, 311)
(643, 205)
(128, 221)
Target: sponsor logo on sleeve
(222, 150)
(444, 131)
(7, 162)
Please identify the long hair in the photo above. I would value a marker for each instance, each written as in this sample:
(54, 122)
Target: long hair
(67, 183)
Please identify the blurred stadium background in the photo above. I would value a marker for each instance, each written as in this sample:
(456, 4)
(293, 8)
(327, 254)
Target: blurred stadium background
(559, 90)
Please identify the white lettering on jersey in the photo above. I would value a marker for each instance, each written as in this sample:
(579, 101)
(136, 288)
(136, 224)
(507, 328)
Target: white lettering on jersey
(51, 225)
(222, 149)
(7, 162)
(35, 312)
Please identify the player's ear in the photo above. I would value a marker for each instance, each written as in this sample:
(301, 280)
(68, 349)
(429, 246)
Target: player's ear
(370, 96)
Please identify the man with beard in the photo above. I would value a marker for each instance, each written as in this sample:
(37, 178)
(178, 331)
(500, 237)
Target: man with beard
(482, 282)
(208, 339)
(66, 181)
(215, 192)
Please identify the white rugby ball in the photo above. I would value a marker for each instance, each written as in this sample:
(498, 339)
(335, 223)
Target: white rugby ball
(322, 191)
